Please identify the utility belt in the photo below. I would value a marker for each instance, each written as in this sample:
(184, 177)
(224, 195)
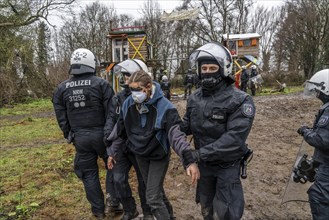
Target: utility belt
(243, 162)
(221, 164)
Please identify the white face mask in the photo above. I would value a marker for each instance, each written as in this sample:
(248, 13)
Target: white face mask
(139, 96)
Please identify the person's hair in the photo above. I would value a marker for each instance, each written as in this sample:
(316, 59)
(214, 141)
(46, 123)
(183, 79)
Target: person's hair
(141, 77)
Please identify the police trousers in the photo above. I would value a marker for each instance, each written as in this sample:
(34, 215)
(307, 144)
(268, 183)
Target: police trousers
(318, 194)
(219, 192)
(89, 146)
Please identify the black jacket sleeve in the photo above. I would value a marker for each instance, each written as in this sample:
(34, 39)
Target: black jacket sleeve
(108, 94)
(184, 125)
(112, 116)
(61, 111)
(318, 137)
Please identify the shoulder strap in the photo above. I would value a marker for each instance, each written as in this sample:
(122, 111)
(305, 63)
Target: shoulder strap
(325, 106)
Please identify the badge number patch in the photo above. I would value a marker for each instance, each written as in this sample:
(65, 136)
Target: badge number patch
(248, 110)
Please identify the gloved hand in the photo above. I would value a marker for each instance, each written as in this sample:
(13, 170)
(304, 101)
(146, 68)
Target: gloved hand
(70, 137)
(106, 142)
(302, 130)
(190, 156)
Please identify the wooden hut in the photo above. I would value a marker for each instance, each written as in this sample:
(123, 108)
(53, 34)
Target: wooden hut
(127, 43)
(242, 44)
(244, 49)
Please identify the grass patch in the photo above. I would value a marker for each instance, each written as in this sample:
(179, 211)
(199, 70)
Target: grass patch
(273, 91)
(37, 180)
(31, 106)
(40, 183)
(29, 130)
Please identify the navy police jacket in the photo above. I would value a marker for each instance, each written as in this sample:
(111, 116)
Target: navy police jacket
(151, 132)
(318, 136)
(82, 102)
(220, 123)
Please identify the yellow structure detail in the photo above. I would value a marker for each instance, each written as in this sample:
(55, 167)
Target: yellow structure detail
(137, 49)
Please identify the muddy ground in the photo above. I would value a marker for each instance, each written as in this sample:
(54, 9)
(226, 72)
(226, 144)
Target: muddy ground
(275, 143)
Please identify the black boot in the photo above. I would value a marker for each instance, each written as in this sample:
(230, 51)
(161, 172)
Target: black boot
(130, 215)
(148, 217)
(112, 208)
(98, 216)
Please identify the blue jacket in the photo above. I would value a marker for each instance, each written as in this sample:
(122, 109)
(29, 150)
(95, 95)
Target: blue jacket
(151, 133)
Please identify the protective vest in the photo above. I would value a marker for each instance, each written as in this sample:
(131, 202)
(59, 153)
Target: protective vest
(82, 102)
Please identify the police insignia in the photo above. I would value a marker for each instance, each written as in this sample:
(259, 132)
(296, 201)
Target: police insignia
(248, 110)
(323, 121)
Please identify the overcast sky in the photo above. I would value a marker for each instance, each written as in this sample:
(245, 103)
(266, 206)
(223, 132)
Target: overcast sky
(133, 7)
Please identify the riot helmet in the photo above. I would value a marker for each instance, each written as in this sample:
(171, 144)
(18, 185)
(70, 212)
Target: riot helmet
(82, 61)
(128, 67)
(253, 67)
(165, 78)
(318, 85)
(215, 52)
(219, 61)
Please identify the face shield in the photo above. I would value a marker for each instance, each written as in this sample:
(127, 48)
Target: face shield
(126, 68)
(311, 89)
(319, 82)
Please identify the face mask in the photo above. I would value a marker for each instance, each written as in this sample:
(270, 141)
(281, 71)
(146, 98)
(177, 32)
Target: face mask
(323, 97)
(210, 80)
(138, 96)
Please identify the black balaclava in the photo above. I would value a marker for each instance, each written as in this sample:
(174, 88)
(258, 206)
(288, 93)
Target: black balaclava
(323, 97)
(122, 81)
(210, 81)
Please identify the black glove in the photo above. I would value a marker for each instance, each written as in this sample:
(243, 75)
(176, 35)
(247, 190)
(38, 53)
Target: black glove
(70, 137)
(106, 142)
(302, 130)
(190, 156)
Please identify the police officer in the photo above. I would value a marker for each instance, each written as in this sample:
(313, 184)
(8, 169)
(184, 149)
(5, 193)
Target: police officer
(318, 137)
(188, 83)
(126, 159)
(244, 79)
(161, 74)
(219, 116)
(253, 74)
(81, 104)
(165, 86)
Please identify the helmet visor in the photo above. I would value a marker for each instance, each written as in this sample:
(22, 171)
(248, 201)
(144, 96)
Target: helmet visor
(127, 66)
(311, 89)
(211, 50)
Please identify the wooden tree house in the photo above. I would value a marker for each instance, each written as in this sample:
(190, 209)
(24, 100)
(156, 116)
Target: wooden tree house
(244, 49)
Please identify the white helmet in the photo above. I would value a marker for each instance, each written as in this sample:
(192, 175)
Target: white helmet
(243, 67)
(164, 78)
(253, 67)
(213, 51)
(319, 82)
(130, 66)
(82, 61)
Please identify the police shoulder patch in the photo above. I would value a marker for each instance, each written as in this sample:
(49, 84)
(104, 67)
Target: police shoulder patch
(323, 121)
(248, 110)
